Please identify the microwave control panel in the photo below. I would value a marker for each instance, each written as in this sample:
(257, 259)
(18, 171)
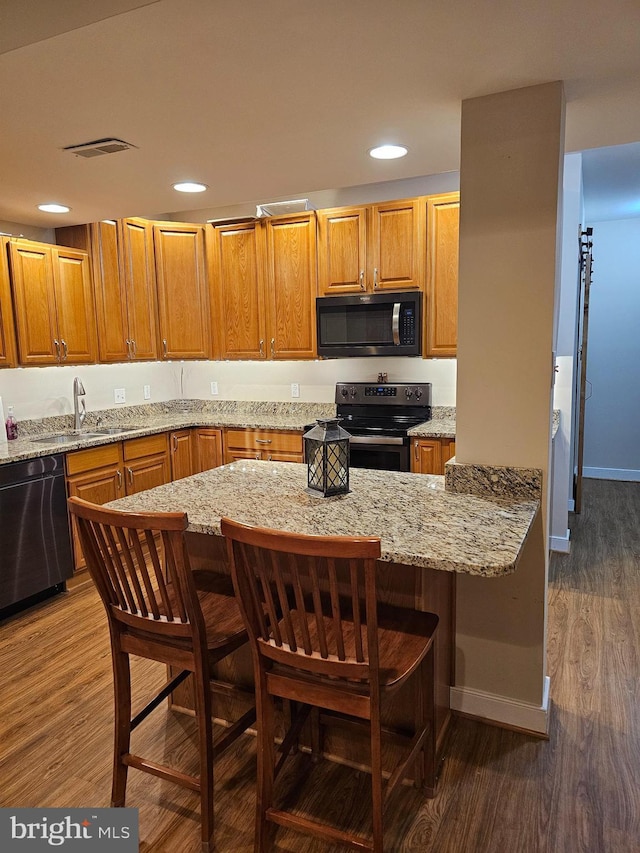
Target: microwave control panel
(407, 325)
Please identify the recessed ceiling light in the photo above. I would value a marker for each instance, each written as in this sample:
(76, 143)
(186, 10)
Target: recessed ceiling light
(388, 152)
(190, 187)
(54, 208)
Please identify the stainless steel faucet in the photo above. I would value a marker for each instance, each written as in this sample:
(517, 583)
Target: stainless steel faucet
(79, 406)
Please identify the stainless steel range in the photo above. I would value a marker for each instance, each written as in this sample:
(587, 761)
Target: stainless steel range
(378, 416)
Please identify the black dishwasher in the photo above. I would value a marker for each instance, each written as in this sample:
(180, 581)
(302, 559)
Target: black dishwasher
(35, 544)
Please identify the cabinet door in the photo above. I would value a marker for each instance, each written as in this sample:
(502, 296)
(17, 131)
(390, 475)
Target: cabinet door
(208, 448)
(237, 274)
(443, 215)
(31, 267)
(138, 272)
(183, 301)
(8, 353)
(342, 250)
(397, 245)
(426, 457)
(109, 292)
(292, 281)
(94, 475)
(448, 451)
(74, 305)
(146, 462)
(181, 452)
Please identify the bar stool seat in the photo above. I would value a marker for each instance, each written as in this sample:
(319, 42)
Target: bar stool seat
(321, 640)
(158, 608)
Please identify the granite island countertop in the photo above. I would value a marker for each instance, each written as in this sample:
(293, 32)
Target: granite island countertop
(420, 524)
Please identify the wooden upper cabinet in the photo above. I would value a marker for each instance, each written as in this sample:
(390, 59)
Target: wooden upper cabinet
(443, 215)
(342, 250)
(237, 259)
(291, 286)
(370, 248)
(53, 304)
(124, 285)
(74, 304)
(138, 273)
(8, 351)
(397, 245)
(183, 299)
(34, 302)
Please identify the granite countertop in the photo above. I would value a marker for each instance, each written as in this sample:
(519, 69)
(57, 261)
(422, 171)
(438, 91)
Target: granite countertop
(163, 417)
(148, 420)
(420, 523)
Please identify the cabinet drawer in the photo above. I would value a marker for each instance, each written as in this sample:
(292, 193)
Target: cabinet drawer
(264, 440)
(136, 448)
(95, 457)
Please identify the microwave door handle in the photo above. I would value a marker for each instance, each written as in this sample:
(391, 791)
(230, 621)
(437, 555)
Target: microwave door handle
(395, 323)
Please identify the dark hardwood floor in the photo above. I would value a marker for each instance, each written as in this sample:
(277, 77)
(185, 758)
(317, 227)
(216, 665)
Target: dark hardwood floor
(500, 791)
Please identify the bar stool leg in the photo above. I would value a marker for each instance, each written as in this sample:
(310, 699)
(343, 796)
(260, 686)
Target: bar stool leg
(122, 726)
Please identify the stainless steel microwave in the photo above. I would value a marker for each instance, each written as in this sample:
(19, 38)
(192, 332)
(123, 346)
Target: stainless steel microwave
(369, 324)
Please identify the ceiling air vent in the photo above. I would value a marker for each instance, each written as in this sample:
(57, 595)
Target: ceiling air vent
(277, 208)
(99, 147)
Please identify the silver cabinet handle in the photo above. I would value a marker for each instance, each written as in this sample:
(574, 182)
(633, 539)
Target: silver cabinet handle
(128, 343)
(273, 346)
(119, 473)
(269, 459)
(57, 346)
(361, 279)
(415, 448)
(375, 278)
(65, 348)
(135, 348)
(175, 443)
(262, 347)
(258, 455)
(263, 440)
(130, 473)
(164, 346)
(395, 323)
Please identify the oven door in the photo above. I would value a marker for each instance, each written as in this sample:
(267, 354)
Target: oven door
(381, 452)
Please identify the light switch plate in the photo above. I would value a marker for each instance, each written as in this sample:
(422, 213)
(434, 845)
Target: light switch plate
(119, 395)
(214, 387)
(295, 389)
(147, 392)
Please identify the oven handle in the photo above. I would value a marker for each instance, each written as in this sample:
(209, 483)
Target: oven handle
(376, 439)
(395, 323)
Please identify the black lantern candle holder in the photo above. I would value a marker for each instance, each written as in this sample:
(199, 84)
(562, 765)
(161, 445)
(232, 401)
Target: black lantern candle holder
(326, 447)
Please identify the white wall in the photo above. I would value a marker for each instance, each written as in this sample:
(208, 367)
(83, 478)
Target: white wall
(37, 392)
(612, 413)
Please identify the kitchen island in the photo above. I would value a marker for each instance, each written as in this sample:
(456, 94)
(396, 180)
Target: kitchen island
(427, 535)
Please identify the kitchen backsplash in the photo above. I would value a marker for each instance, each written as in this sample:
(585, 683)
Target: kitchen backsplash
(42, 392)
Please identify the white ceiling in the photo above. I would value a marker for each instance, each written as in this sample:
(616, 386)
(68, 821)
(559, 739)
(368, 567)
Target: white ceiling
(264, 100)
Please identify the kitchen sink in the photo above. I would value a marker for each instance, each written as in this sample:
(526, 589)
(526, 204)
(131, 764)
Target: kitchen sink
(66, 437)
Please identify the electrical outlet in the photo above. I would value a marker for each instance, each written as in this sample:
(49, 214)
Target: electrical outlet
(295, 389)
(119, 395)
(147, 392)
(214, 387)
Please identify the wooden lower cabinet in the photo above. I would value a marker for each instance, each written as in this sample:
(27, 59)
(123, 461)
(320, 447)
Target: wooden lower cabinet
(106, 473)
(207, 448)
(181, 454)
(429, 455)
(268, 445)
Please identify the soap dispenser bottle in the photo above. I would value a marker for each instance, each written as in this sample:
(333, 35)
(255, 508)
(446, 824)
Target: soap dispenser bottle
(11, 425)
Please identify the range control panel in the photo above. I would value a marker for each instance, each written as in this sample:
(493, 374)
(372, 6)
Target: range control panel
(389, 393)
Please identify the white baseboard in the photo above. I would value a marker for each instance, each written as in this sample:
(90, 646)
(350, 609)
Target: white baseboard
(628, 474)
(571, 505)
(561, 543)
(501, 710)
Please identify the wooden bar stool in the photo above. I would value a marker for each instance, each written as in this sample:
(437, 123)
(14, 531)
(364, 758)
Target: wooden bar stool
(321, 639)
(158, 608)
